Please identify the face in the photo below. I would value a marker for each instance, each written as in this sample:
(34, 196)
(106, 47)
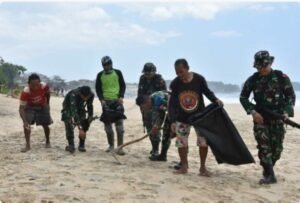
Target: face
(34, 84)
(182, 72)
(264, 70)
(107, 67)
(149, 75)
(146, 106)
(84, 98)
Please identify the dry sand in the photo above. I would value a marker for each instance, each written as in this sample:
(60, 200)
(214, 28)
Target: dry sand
(45, 175)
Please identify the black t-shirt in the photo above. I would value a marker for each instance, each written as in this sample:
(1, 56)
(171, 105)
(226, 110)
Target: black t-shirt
(187, 98)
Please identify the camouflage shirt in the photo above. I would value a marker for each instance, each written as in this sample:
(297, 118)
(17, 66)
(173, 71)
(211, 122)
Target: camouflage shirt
(159, 107)
(147, 87)
(74, 108)
(273, 91)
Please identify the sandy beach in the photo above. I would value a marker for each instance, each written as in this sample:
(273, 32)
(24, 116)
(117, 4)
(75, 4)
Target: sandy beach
(54, 175)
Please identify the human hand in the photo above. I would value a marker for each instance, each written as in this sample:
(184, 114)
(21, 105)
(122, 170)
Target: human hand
(285, 116)
(120, 100)
(219, 102)
(173, 127)
(257, 118)
(102, 102)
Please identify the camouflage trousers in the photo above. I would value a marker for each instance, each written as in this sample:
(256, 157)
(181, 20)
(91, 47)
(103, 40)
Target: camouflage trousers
(147, 120)
(108, 127)
(269, 137)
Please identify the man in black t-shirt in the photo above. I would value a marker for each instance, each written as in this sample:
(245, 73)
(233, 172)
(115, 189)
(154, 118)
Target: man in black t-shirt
(187, 91)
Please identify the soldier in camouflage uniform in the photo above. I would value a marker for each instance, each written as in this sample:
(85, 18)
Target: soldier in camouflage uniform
(76, 104)
(156, 105)
(273, 91)
(149, 83)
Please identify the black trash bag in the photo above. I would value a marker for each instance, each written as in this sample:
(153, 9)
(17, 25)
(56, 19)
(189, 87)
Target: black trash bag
(222, 136)
(112, 112)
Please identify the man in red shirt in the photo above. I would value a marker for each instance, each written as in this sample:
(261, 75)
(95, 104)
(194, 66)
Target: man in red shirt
(34, 108)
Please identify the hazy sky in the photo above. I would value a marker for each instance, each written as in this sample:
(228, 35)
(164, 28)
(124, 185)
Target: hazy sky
(218, 39)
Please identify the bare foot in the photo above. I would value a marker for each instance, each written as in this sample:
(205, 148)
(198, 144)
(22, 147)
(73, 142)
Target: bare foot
(204, 172)
(182, 170)
(25, 149)
(47, 145)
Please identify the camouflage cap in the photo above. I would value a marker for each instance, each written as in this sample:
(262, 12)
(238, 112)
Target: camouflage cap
(149, 67)
(262, 58)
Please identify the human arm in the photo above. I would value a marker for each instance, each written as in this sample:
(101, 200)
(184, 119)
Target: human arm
(90, 107)
(122, 86)
(247, 105)
(289, 96)
(98, 87)
(208, 93)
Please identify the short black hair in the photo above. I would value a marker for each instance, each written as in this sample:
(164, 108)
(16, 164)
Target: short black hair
(33, 76)
(141, 99)
(183, 62)
(85, 91)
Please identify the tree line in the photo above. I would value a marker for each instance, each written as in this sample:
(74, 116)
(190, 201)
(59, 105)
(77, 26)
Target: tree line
(14, 77)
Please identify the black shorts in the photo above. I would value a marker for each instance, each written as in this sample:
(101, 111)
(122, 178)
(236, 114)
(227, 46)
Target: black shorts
(40, 115)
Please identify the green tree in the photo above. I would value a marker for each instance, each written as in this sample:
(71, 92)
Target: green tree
(9, 73)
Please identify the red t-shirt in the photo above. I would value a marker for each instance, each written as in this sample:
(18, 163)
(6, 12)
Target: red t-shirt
(36, 97)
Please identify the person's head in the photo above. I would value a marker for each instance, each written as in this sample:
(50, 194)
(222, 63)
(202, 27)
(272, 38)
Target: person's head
(263, 61)
(34, 81)
(106, 63)
(149, 70)
(85, 92)
(145, 103)
(182, 69)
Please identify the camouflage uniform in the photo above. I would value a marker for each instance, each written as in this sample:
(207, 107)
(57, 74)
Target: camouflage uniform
(147, 87)
(160, 118)
(74, 113)
(273, 92)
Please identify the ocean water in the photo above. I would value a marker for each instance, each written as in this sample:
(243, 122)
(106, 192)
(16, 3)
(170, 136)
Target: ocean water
(234, 98)
(229, 98)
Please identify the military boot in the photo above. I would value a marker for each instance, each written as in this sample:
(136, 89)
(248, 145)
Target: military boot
(163, 154)
(71, 146)
(81, 146)
(268, 174)
(154, 151)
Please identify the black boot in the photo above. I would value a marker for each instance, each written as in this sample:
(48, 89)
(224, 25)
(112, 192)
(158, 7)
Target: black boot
(154, 151)
(81, 146)
(71, 147)
(268, 174)
(163, 153)
(158, 158)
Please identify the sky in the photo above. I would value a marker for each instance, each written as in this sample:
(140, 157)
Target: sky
(218, 39)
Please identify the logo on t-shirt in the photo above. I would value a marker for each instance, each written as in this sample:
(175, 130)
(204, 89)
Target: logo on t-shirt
(189, 101)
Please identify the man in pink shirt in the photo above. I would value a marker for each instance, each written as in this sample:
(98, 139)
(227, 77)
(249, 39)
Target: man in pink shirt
(34, 108)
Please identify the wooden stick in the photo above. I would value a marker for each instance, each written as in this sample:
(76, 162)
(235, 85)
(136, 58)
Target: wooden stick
(131, 142)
